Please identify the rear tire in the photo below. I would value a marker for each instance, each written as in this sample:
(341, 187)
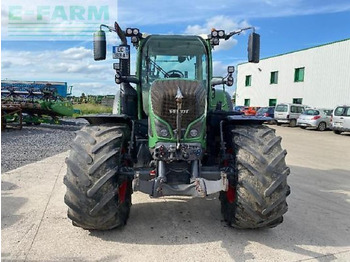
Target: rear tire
(303, 127)
(277, 123)
(322, 126)
(293, 123)
(97, 196)
(337, 132)
(257, 195)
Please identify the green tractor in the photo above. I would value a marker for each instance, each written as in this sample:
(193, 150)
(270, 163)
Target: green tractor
(174, 134)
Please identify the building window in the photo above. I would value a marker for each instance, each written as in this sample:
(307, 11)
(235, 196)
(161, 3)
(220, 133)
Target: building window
(272, 102)
(299, 74)
(247, 102)
(274, 77)
(297, 101)
(248, 80)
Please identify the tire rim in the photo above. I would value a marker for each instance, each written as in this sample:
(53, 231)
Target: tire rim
(322, 126)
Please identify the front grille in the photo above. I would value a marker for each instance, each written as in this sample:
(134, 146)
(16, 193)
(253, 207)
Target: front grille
(163, 94)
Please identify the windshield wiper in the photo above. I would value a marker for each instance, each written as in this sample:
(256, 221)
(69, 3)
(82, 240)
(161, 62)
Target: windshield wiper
(158, 67)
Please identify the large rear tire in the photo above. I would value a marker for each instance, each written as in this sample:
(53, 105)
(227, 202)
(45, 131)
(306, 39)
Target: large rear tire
(97, 196)
(257, 194)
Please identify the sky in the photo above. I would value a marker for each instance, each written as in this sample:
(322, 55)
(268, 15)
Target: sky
(284, 26)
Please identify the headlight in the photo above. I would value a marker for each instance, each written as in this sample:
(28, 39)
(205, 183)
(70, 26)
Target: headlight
(230, 69)
(135, 31)
(230, 81)
(214, 33)
(129, 31)
(164, 133)
(193, 132)
(195, 129)
(161, 129)
(118, 77)
(134, 39)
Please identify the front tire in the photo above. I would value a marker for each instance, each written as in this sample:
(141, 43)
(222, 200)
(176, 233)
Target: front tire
(97, 196)
(257, 195)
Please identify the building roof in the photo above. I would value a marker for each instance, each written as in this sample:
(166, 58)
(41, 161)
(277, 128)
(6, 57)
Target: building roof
(300, 50)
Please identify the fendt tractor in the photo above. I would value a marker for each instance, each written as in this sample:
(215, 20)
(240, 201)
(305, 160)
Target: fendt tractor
(175, 134)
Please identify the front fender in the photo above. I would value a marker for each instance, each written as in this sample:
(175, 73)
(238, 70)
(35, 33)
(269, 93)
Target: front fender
(107, 118)
(242, 119)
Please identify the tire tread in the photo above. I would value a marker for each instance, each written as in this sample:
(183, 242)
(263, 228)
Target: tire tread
(92, 179)
(261, 181)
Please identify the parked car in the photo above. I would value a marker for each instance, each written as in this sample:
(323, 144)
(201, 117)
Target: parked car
(239, 108)
(341, 119)
(319, 119)
(250, 111)
(288, 113)
(267, 112)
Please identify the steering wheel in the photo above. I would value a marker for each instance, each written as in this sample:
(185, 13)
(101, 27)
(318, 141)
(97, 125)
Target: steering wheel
(175, 74)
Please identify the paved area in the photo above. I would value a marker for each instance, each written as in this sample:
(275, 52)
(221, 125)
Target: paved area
(316, 227)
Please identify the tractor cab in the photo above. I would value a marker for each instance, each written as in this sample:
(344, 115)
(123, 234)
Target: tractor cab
(175, 56)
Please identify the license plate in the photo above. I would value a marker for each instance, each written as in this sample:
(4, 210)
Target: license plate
(121, 52)
(338, 124)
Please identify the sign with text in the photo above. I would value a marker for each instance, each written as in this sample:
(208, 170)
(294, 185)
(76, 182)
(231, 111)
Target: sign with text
(55, 20)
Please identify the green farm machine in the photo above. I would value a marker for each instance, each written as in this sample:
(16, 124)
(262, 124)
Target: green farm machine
(175, 134)
(33, 102)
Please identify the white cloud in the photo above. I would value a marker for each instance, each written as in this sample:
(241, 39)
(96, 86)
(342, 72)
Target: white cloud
(76, 53)
(219, 68)
(74, 66)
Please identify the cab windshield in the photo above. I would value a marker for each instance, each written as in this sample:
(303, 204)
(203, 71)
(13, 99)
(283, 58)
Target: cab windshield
(174, 57)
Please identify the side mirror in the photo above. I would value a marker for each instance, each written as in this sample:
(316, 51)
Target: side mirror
(99, 45)
(254, 48)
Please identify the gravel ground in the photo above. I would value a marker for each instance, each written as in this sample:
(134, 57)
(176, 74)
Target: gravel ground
(33, 143)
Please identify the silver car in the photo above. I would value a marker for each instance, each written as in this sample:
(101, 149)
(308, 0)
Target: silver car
(286, 113)
(319, 119)
(341, 119)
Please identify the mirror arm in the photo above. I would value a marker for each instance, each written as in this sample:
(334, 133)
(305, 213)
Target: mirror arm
(237, 32)
(131, 79)
(111, 29)
(217, 82)
(117, 30)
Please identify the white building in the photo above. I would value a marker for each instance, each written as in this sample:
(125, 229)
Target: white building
(317, 77)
